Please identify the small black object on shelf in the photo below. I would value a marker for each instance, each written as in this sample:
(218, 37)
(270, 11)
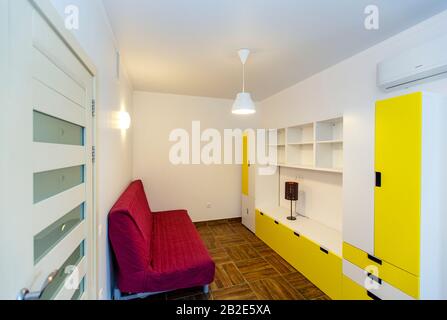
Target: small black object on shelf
(292, 195)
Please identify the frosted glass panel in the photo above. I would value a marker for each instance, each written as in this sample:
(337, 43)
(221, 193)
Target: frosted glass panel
(48, 238)
(50, 183)
(48, 129)
(63, 273)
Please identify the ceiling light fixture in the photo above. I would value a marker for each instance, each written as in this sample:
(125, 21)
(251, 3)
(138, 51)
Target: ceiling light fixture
(244, 104)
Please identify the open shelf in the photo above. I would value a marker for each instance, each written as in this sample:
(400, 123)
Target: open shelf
(303, 134)
(280, 153)
(329, 155)
(312, 168)
(280, 138)
(329, 130)
(302, 155)
(314, 146)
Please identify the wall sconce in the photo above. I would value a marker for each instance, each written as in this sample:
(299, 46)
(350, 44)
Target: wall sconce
(124, 120)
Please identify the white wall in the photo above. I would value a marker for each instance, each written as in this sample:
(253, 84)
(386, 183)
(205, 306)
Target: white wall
(349, 88)
(114, 147)
(189, 187)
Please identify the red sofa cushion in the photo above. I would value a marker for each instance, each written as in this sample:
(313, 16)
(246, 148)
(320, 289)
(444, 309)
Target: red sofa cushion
(180, 257)
(156, 251)
(132, 224)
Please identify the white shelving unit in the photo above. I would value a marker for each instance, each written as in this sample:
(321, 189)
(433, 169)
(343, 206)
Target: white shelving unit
(316, 146)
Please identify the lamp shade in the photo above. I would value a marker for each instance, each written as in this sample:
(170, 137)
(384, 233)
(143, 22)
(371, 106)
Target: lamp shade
(244, 104)
(292, 191)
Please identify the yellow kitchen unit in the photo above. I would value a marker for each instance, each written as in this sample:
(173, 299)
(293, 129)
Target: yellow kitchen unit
(248, 186)
(409, 258)
(321, 263)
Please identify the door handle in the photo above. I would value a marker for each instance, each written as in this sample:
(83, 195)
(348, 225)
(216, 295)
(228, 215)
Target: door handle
(25, 293)
(379, 179)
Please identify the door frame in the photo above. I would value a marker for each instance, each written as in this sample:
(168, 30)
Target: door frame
(49, 12)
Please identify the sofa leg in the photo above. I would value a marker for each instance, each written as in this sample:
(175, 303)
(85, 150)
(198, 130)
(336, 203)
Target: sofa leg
(206, 289)
(117, 294)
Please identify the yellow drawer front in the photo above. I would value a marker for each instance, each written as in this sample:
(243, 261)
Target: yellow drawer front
(352, 291)
(264, 228)
(297, 255)
(402, 280)
(323, 268)
(282, 244)
(398, 157)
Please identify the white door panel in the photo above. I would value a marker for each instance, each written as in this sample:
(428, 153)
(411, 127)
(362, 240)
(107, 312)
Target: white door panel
(47, 134)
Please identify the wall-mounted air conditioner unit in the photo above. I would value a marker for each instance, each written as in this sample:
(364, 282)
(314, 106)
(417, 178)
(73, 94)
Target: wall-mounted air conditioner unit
(425, 63)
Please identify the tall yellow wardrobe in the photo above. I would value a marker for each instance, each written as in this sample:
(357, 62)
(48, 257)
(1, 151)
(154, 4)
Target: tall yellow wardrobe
(409, 260)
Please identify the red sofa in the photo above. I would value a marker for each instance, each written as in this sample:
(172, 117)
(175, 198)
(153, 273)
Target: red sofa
(156, 251)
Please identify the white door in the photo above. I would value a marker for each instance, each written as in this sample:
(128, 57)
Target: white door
(46, 220)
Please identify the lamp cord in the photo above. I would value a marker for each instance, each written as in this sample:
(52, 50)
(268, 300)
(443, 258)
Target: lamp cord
(243, 77)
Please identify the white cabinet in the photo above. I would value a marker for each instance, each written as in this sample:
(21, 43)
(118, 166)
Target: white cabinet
(248, 212)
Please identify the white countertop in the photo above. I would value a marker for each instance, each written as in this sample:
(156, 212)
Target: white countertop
(315, 231)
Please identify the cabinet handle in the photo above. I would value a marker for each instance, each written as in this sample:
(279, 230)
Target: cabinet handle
(375, 278)
(261, 213)
(376, 260)
(324, 250)
(276, 222)
(373, 296)
(297, 234)
(378, 179)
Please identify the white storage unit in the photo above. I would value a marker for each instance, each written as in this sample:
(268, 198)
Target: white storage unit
(312, 146)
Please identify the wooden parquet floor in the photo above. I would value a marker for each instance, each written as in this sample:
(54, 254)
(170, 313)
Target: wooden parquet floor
(246, 269)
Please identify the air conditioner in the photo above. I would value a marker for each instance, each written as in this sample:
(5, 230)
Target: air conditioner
(421, 64)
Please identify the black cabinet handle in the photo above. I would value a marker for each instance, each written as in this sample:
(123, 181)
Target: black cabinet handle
(276, 222)
(261, 213)
(376, 260)
(324, 250)
(375, 278)
(373, 296)
(297, 234)
(378, 179)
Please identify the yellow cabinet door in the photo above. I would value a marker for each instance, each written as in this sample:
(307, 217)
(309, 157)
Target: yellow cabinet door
(283, 244)
(398, 172)
(245, 166)
(321, 267)
(264, 228)
(327, 272)
(353, 291)
(296, 255)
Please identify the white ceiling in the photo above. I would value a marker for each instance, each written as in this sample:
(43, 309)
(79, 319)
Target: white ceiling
(189, 46)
